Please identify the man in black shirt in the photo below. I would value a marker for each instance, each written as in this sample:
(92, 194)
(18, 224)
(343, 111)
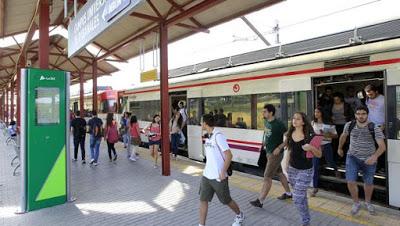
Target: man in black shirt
(96, 133)
(78, 129)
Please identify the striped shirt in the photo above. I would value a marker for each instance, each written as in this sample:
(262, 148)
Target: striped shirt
(362, 145)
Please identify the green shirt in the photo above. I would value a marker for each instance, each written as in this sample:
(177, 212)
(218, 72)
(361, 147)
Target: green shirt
(273, 134)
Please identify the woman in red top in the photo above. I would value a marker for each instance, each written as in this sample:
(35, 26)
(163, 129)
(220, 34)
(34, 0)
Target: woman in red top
(135, 137)
(111, 135)
(153, 131)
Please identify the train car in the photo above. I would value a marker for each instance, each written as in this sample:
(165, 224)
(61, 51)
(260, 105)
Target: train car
(106, 101)
(292, 77)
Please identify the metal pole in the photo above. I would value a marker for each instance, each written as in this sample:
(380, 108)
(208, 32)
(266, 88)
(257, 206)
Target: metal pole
(81, 95)
(7, 106)
(75, 7)
(65, 8)
(94, 93)
(23, 141)
(67, 139)
(44, 23)
(19, 71)
(12, 101)
(164, 95)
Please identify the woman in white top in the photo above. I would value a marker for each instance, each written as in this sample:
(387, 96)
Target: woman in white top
(175, 125)
(322, 127)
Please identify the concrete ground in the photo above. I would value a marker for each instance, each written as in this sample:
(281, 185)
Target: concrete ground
(134, 193)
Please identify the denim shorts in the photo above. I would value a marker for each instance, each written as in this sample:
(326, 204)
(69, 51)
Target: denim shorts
(354, 165)
(156, 142)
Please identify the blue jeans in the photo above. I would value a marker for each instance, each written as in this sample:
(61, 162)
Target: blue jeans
(125, 139)
(354, 165)
(327, 152)
(175, 142)
(94, 148)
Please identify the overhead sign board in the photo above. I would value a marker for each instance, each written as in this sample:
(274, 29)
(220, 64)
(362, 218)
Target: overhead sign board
(93, 19)
(148, 75)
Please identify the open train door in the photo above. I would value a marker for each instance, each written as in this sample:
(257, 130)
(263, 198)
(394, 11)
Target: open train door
(393, 135)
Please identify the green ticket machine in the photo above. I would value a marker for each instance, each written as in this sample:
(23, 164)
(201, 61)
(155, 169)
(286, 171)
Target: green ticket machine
(45, 176)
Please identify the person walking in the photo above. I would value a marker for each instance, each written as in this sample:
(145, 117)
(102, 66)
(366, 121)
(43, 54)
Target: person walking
(154, 133)
(134, 137)
(175, 126)
(124, 129)
(362, 156)
(273, 145)
(323, 127)
(111, 136)
(96, 133)
(215, 179)
(300, 167)
(78, 129)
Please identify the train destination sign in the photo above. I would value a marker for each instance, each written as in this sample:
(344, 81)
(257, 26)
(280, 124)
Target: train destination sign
(93, 19)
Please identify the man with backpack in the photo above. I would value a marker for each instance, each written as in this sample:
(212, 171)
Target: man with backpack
(366, 145)
(78, 127)
(96, 132)
(215, 175)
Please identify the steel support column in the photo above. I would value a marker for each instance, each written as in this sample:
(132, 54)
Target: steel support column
(81, 95)
(7, 111)
(94, 93)
(44, 41)
(18, 91)
(12, 91)
(164, 95)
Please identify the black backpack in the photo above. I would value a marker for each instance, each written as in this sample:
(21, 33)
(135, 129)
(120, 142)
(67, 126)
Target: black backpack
(371, 128)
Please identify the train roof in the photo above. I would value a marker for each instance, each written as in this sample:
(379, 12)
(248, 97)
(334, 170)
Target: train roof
(367, 34)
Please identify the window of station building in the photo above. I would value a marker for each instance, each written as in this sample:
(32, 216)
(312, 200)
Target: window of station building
(195, 111)
(144, 110)
(296, 101)
(230, 111)
(268, 98)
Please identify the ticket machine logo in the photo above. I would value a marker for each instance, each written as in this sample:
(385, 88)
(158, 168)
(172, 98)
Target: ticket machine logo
(47, 78)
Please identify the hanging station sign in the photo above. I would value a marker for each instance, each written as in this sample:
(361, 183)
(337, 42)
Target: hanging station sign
(93, 19)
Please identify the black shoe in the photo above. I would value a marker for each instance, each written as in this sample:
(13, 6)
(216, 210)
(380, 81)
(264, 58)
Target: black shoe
(83, 162)
(115, 157)
(256, 203)
(284, 196)
(91, 161)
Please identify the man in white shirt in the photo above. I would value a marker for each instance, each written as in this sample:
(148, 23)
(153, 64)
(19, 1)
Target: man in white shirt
(215, 178)
(376, 106)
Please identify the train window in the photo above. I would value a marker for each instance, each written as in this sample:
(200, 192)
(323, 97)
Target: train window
(296, 101)
(230, 111)
(144, 110)
(195, 111)
(398, 112)
(268, 98)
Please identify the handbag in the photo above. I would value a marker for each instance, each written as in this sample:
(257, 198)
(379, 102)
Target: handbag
(262, 159)
(229, 171)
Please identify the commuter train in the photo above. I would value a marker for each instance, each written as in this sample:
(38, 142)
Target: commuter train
(291, 77)
(106, 102)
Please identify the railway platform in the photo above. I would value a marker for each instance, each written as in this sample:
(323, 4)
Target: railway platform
(134, 193)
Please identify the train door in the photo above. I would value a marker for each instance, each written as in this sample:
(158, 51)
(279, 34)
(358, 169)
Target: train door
(179, 100)
(349, 89)
(393, 135)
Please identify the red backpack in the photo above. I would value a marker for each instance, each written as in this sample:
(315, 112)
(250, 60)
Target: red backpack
(112, 134)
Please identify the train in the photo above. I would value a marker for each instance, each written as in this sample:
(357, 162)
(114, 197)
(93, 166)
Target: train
(291, 77)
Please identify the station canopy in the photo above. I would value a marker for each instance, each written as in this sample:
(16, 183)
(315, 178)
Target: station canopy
(123, 39)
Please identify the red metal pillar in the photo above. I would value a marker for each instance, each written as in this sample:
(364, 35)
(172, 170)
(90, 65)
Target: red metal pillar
(44, 23)
(7, 106)
(12, 101)
(164, 95)
(94, 93)
(81, 95)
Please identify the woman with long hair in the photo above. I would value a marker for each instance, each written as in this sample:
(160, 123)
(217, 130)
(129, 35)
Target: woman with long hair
(175, 126)
(111, 135)
(322, 126)
(300, 167)
(134, 134)
(153, 131)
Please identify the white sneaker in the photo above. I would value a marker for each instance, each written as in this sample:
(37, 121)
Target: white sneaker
(238, 221)
(370, 208)
(132, 159)
(95, 164)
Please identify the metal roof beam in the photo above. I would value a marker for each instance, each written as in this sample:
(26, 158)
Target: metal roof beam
(181, 9)
(154, 9)
(255, 30)
(2, 17)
